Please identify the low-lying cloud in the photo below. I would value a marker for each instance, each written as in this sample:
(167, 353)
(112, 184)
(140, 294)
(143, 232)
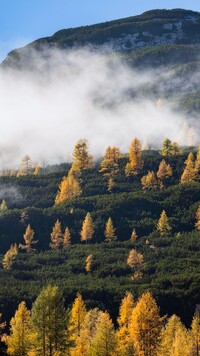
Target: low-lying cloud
(80, 94)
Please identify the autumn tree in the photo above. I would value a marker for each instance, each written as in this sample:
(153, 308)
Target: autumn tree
(26, 166)
(195, 335)
(66, 238)
(175, 149)
(149, 181)
(87, 332)
(189, 173)
(164, 170)
(145, 326)
(29, 240)
(168, 335)
(10, 256)
(69, 188)
(110, 231)
(166, 147)
(197, 224)
(77, 315)
(88, 264)
(124, 342)
(87, 230)
(37, 170)
(49, 320)
(3, 206)
(56, 236)
(136, 263)
(163, 224)
(82, 158)
(20, 338)
(197, 164)
(135, 164)
(104, 341)
(110, 165)
(134, 236)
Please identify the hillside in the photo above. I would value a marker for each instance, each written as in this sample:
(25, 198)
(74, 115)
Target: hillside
(164, 41)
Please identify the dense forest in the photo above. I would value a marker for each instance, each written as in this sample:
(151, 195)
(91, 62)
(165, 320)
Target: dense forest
(124, 223)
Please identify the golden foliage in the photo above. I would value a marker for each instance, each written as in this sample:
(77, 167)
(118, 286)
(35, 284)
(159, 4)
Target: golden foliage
(110, 230)
(69, 188)
(164, 170)
(149, 181)
(163, 224)
(88, 265)
(135, 164)
(82, 159)
(136, 261)
(76, 319)
(10, 256)
(87, 230)
(189, 173)
(56, 236)
(29, 240)
(66, 238)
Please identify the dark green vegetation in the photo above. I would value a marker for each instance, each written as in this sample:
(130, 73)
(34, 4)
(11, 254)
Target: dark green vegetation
(172, 270)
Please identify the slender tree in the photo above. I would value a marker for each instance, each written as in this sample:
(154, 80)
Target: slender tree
(66, 238)
(87, 230)
(104, 341)
(134, 236)
(69, 189)
(164, 170)
(189, 173)
(82, 159)
(110, 231)
(88, 265)
(76, 319)
(145, 326)
(49, 320)
(135, 164)
(163, 224)
(20, 338)
(110, 165)
(168, 335)
(29, 240)
(136, 262)
(56, 236)
(195, 335)
(149, 181)
(3, 206)
(166, 148)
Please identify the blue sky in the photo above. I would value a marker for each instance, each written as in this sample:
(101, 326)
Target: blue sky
(22, 21)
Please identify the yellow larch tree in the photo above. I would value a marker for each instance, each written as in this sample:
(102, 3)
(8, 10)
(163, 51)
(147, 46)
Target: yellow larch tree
(163, 226)
(82, 158)
(10, 256)
(104, 341)
(149, 181)
(110, 165)
(168, 335)
(77, 315)
(87, 230)
(181, 344)
(135, 261)
(66, 238)
(145, 326)
(197, 164)
(29, 240)
(69, 188)
(110, 231)
(88, 264)
(88, 330)
(175, 149)
(134, 236)
(56, 236)
(19, 340)
(37, 170)
(124, 343)
(195, 335)
(197, 224)
(135, 164)
(189, 173)
(3, 206)
(164, 170)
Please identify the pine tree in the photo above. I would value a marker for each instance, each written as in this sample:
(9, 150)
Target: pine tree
(195, 335)
(19, 340)
(136, 262)
(87, 230)
(189, 174)
(124, 342)
(145, 326)
(110, 231)
(166, 148)
(88, 265)
(104, 341)
(164, 170)
(163, 224)
(69, 189)
(181, 343)
(135, 164)
(26, 166)
(110, 165)
(175, 149)
(10, 256)
(37, 170)
(29, 240)
(76, 319)
(56, 236)
(66, 238)
(149, 181)
(197, 164)
(134, 236)
(82, 159)
(49, 320)
(197, 224)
